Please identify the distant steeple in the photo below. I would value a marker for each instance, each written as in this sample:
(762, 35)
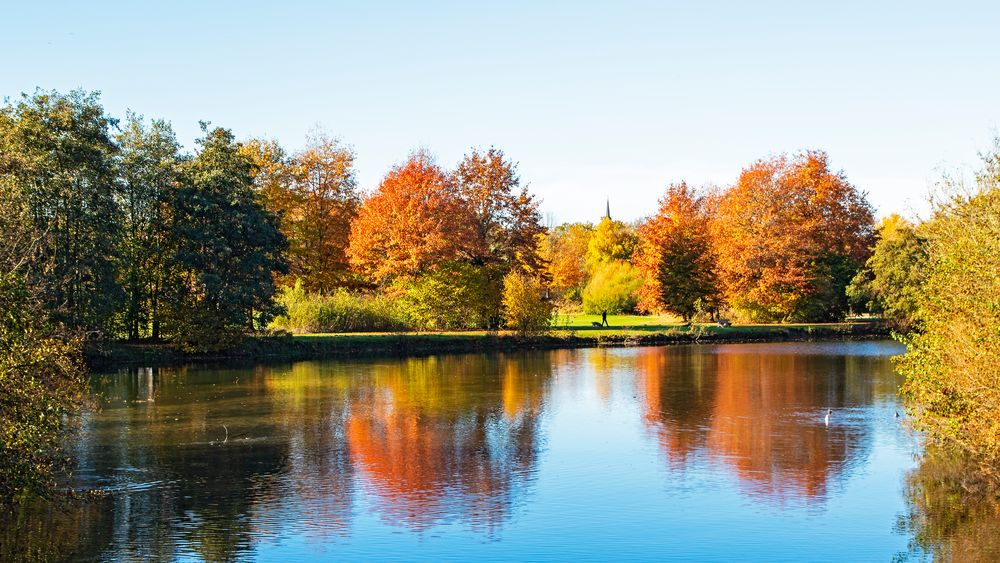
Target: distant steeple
(607, 210)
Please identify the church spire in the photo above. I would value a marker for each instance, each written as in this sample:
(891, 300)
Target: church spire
(607, 210)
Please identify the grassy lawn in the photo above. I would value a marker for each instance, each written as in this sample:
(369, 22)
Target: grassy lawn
(581, 325)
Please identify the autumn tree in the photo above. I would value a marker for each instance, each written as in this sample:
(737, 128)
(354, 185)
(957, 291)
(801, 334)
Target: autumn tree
(505, 221)
(789, 237)
(612, 280)
(414, 221)
(57, 153)
(564, 251)
(325, 184)
(505, 215)
(315, 195)
(147, 169)
(611, 241)
(272, 173)
(952, 375)
(675, 256)
(525, 308)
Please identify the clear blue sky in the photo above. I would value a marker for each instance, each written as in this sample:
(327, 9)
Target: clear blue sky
(592, 99)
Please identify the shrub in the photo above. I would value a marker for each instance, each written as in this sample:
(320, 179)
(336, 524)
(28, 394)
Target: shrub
(455, 296)
(951, 368)
(41, 382)
(339, 312)
(612, 288)
(525, 308)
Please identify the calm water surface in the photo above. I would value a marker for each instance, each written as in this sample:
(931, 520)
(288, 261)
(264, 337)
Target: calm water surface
(685, 452)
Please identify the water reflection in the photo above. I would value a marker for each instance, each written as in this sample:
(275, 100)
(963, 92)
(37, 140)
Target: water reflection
(953, 515)
(448, 438)
(217, 464)
(763, 414)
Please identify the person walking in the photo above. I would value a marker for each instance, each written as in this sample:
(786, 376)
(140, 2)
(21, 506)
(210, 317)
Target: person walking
(604, 318)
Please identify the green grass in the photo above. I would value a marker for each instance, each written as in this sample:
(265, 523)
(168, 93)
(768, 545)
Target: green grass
(573, 332)
(581, 325)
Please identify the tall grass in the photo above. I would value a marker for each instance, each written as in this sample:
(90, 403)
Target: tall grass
(341, 311)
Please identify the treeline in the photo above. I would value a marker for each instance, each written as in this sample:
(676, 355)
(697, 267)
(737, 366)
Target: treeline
(135, 238)
(781, 244)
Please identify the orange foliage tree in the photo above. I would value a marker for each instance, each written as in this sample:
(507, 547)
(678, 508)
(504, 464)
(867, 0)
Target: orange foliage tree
(675, 256)
(789, 236)
(564, 250)
(315, 194)
(506, 220)
(415, 220)
(328, 198)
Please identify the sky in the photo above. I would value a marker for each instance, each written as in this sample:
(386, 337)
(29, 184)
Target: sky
(593, 100)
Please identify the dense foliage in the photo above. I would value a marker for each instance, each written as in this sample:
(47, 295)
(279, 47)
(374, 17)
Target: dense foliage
(41, 375)
(56, 153)
(526, 310)
(41, 381)
(951, 368)
(315, 195)
(888, 284)
(675, 256)
(613, 288)
(148, 172)
(225, 248)
(454, 296)
(564, 250)
(789, 237)
(339, 311)
(414, 221)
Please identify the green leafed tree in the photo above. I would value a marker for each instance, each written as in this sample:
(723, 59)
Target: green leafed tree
(58, 154)
(454, 296)
(889, 283)
(613, 288)
(148, 168)
(226, 247)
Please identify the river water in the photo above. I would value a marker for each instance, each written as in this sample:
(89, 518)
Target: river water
(712, 452)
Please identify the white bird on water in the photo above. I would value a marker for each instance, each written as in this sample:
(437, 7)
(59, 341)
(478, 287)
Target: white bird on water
(826, 419)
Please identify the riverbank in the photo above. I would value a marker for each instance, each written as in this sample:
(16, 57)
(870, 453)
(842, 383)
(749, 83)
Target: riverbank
(317, 346)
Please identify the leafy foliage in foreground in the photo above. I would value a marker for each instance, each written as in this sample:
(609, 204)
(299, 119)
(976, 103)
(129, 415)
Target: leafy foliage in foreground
(951, 368)
(41, 381)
